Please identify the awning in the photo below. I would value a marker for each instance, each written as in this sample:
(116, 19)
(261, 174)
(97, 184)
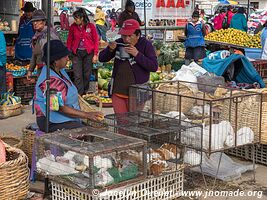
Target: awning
(228, 2)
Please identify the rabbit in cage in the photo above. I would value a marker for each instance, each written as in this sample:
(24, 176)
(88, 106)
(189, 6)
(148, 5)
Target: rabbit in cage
(222, 135)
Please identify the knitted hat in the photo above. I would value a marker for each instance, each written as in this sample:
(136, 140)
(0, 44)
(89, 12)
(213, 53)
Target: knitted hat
(28, 7)
(38, 15)
(57, 50)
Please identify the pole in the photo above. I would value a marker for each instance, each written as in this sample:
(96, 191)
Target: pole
(48, 14)
(48, 66)
(145, 15)
(248, 9)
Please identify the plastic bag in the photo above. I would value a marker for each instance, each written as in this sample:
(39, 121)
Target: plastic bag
(185, 74)
(228, 170)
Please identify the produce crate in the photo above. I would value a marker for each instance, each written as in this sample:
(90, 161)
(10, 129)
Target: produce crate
(231, 117)
(171, 141)
(24, 89)
(170, 185)
(88, 158)
(245, 152)
(261, 67)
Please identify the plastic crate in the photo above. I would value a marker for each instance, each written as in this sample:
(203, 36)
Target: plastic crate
(171, 186)
(253, 53)
(261, 67)
(245, 152)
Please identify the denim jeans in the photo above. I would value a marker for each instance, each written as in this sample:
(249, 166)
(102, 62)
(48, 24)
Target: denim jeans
(102, 32)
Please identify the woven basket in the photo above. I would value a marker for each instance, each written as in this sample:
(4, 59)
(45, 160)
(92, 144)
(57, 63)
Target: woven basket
(12, 141)
(86, 107)
(248, 109)
(263, 114)
(166, 102)
(11, 110)
(14, 175)
(28, 138)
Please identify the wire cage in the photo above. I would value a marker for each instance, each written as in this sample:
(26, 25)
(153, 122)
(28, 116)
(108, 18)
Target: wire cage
(168, 146)
(230, 117)
(87, 158)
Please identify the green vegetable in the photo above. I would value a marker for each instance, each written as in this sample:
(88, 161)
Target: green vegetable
(105, 73)
(101, 82)
(105, 86)
(154, 76)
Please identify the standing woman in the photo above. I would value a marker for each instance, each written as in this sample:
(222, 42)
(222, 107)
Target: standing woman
(83, 43)
(194, 42)
(100, 21)
(23, 49)
(2, 62)
(38, 41)
(239, 20)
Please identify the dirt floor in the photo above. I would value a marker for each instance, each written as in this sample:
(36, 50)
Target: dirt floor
(193, 181)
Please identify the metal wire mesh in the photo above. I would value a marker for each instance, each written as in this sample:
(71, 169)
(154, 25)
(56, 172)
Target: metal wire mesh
(88, 158)
(230, 117)
(167, 138)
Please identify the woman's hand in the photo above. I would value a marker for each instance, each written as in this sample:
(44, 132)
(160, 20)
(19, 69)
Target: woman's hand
(28, 76)
(112, 46)
(95, 59)
(131, 50)
(95, 116)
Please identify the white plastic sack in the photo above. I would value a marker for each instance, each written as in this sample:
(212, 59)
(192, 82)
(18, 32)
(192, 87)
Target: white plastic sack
(196, 69)
(185, 74)
(228, 170)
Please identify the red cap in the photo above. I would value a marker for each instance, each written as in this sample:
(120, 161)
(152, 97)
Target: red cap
(129, 27)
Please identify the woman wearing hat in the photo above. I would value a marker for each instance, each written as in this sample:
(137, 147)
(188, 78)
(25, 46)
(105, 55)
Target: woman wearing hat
(135, 58)
(129, 13)
(38, 41)
(23, 49)
(194, 42)
(64, 106)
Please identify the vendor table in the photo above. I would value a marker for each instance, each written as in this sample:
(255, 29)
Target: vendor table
(215, 45)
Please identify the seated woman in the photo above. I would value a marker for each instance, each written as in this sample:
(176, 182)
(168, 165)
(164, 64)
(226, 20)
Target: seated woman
(65, 112)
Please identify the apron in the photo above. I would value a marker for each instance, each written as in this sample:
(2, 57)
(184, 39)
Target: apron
(23, 49)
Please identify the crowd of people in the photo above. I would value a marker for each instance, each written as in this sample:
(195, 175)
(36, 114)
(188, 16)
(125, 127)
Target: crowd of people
(134, 56)
(230, 17)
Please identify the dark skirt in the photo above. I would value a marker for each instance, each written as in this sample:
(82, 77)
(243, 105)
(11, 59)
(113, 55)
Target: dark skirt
(41, 121)
(195, 53)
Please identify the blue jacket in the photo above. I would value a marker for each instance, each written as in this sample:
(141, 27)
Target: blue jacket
(2, 49)
(239, 22)
(194, 35)
(247, 74)
(71, 98)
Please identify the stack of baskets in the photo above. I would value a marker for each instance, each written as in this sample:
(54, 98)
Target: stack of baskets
(28, 138)
(14, 175)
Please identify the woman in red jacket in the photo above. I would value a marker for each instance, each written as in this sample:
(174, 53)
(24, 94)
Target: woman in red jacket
(83, 43)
